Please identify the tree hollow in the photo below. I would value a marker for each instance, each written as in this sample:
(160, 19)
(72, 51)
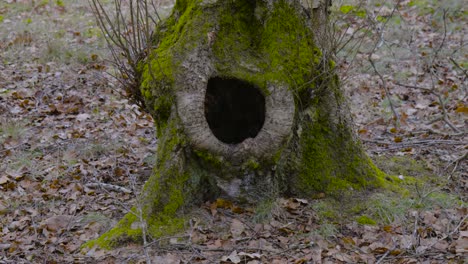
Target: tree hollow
(234, 109)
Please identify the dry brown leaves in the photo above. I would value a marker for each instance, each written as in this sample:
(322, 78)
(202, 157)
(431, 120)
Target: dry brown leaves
(65, 131)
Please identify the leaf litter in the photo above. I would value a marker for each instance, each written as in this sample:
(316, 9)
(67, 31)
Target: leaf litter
(74, 154)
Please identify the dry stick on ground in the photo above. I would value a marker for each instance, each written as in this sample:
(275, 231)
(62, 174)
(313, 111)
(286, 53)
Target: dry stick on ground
(416, 142)
(442, 104)
(432, 131)
(382, 79)
(446, 236)
(143, 224)
(385, 255)
(107, 186)
(455, 162)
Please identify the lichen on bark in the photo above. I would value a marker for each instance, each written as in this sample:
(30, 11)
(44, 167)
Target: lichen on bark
(306, 145)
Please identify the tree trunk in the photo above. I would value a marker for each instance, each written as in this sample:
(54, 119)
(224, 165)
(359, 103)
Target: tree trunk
(247, 107)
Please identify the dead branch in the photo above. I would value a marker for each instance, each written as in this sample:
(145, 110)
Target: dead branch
(377, 45)
(436, 132)
(422, 143)
(441, 102)
(455, 162)
(465, 72)
(109, 187)
(128, 30)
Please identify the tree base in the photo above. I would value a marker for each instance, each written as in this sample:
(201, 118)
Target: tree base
(293, 138)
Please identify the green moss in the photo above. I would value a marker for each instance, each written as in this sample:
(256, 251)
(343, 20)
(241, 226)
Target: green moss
(323, 146)
(252, 42)
(262, 46)
(402, 165)
(179, 34)
(164, 196)
(216, 161)
(355, 171)
(365, 220)
(252, 164)
(129, 230)
(326, 210)
(387, 206)
(121, 232)
(265, 47)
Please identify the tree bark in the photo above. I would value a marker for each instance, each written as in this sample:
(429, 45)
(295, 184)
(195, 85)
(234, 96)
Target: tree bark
(247, 107)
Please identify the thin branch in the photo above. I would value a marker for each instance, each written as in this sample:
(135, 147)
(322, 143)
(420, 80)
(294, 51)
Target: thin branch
(455, 162)
(128, 30)
(432, 131)
(445, 117)
(400, 145)
(382, 79)
(451, 233)
(109, 187)
(385, 255)
(465, 72)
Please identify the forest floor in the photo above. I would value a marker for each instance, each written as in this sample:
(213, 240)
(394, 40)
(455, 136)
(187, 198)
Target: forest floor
(74, 152)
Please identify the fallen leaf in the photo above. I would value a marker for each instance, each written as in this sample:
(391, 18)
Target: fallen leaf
(57, 222)
(302, 201)
(237, 228)
(232, 258)
(250, 256)
(4, 179)
(167, 259)
(198, 238)
(462, 109)
(221, 203)
(461, 246)
(215, 244)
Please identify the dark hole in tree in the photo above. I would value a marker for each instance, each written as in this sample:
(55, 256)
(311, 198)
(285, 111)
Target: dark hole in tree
(234, 109)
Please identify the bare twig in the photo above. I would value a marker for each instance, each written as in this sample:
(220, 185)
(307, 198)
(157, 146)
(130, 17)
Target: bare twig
(442, 43)
(142, 221)
(129, 32)
(144, 231)
(377, 45)
(109, 187)
(465, 72)
(441, 102)
(415, 236)
(455, 162)
(432, 131)
(451, 233)
(384, 255)
(416, 142)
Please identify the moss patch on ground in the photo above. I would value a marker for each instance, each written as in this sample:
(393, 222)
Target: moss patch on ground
(402, 165)
(390, 203)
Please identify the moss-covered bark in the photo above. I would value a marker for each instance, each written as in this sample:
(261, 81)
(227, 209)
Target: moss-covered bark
(306, 145)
